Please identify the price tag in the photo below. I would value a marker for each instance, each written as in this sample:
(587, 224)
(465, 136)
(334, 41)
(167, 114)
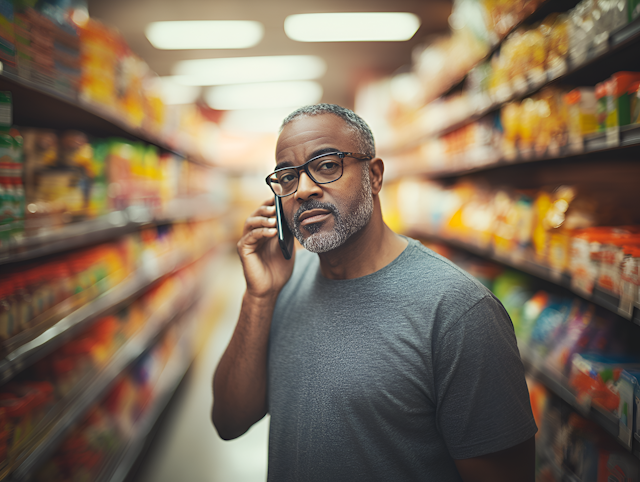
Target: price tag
(613, 136)
(559, 68)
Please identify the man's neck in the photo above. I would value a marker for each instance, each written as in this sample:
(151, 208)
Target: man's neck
(365, 252)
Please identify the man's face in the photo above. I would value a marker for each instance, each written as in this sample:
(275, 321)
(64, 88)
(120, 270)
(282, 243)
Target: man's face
(323, 217)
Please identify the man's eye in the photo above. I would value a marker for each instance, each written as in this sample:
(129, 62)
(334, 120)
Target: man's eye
(286, 178)
(327, 166)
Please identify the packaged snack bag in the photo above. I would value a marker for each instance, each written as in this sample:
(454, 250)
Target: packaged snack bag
(621, 88)
(581, 112)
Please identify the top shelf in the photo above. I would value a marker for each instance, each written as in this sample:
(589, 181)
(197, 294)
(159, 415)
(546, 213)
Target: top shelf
(619, 41)
(36, 105)
(545, 8)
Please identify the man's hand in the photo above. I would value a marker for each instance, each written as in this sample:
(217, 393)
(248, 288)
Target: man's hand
(240, 381)
(265, 269)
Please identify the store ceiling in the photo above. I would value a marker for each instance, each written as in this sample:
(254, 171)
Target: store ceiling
(348, 63)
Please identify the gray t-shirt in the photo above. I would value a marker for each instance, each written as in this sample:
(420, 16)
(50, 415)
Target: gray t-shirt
(391, 376)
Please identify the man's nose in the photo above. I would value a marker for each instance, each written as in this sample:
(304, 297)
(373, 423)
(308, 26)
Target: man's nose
(307, 188)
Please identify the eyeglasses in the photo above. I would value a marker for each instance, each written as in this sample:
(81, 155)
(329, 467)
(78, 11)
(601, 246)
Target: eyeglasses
(321, 169)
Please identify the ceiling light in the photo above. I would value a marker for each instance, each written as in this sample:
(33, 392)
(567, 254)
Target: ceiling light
(204, 34)
(262, 96)
(241, 70)
(173, 93)
(352, 27)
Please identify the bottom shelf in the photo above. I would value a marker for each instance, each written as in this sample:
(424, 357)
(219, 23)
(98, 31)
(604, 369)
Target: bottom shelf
(608, 421)
(118, 466)
(82, 398)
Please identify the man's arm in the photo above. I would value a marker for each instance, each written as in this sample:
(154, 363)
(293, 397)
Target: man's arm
(515, 464)
(240, 381)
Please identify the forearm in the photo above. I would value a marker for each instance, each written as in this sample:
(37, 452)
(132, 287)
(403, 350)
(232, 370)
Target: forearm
(240, 381)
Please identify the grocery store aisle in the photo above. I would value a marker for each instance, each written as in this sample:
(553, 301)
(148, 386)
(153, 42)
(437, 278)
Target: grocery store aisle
(187, 446)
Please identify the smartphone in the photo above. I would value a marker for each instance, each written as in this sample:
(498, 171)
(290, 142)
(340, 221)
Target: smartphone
(285, 236)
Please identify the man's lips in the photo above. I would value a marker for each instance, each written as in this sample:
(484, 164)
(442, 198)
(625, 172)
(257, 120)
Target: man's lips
(313, 216)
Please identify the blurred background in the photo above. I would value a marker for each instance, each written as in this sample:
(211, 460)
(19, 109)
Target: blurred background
(135, 138)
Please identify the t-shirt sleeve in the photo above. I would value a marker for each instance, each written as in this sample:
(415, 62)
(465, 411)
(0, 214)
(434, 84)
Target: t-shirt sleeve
(482, 398)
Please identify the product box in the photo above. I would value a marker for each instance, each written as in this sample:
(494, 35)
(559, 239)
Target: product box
(628, 390)
(582, 120)
(621, 88)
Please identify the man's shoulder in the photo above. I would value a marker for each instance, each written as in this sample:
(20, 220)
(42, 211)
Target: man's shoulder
(426, 266)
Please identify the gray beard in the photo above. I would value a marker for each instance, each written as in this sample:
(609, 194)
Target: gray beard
(344, 226)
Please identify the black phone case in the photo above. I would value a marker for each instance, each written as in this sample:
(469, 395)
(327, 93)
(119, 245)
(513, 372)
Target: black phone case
(285, 236)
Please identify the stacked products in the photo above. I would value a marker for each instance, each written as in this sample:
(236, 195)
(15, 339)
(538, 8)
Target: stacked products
(48, 43)
(570, 447)
(35, 295)
(554, 122)
(31, 401)
(577, 231)
(12, 192)
(111, 423)
(528, 58)
(50, 178)
(479, 24)
(68, 177)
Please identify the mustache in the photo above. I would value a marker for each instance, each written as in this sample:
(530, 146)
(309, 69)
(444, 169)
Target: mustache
(313, 204)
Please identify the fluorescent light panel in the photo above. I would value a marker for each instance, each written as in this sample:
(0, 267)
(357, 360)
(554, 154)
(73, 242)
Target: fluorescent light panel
(204, 34)
(242, 70)
(352, 27)
(264, 95)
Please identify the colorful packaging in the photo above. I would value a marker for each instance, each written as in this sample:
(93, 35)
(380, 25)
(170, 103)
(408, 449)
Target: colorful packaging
(582, 120)
(621, 88)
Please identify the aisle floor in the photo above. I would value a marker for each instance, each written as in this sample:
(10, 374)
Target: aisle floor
(187, 446)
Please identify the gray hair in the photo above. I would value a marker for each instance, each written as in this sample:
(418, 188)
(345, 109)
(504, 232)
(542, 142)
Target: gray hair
(366, 143)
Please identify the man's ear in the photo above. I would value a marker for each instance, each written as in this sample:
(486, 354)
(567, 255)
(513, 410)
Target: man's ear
(376, 171)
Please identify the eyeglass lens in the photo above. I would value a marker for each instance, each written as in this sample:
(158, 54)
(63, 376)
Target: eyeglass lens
(323, 170)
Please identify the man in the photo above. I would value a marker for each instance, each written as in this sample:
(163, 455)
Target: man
(376, 358)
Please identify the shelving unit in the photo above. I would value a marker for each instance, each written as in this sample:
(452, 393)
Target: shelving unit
(111, 226)
(620, 41)
(36, 105)
(119, 465)
(26, 352)
(532, 171)
(535, 368)
(86, 394)
(544, 9)
(524, 264)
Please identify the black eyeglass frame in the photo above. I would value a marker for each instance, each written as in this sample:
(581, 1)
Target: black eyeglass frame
(305, 167)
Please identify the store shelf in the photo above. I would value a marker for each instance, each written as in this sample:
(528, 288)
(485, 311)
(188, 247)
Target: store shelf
(37, 105)
(73, 408)
(524, 264)
(624, 37)
(24, 352)
(629, 138)
(117, 467)
(53, 240)
(544, 9)
(608, 421)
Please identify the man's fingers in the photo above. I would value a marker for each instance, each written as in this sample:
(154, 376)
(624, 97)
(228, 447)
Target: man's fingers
(258, 222)
(265, 211)
(256, 235)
